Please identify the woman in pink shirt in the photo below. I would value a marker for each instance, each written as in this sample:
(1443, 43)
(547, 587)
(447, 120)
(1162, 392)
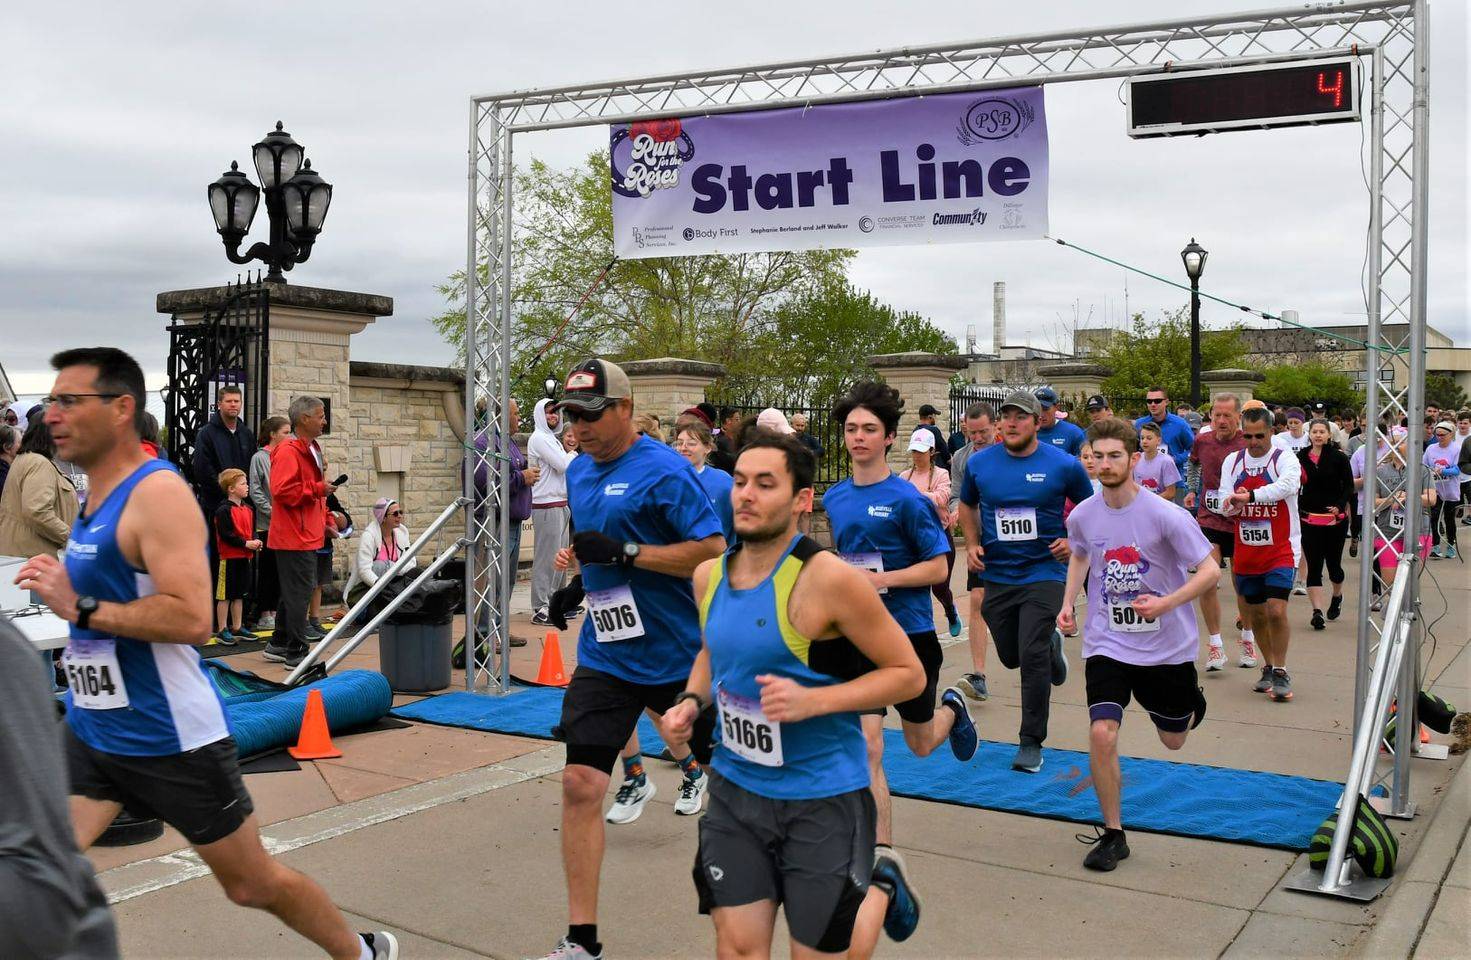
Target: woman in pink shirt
(934, 483)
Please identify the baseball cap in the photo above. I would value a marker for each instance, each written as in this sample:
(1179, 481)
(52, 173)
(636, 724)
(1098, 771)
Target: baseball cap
(928, 410)
(1022, 400)
(923, 440)
(1097, 402)
(593, 384)
(1047, 397)
(1447, 426)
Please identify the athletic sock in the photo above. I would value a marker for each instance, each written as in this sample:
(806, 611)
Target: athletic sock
(633, 768)
(365, 952)
(585, 935)
(1248, 636)
(1215, 640)
(691, 767)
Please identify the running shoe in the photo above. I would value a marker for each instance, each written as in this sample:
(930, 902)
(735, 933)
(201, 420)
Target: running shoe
(1059, 660)
(277, 654)
(540, 618)
(383, 944)
(1353, 547)
(1109, 847)
(1318, 622)
(567, 950)
(691, 795)
(1436, 553)
(1377, 605)
(1299, 589)
(224, 638)
(1451, 554)
(1335, 607)
(1216, 659)
(1248, 654)
(963, 737)
(902, 917)
(632, 797)
(1028, 757)
(267, 621)
(1265, 683)
(245, 636)
(954, 619)
(1281, 690)
(973, 685)
(314, 632)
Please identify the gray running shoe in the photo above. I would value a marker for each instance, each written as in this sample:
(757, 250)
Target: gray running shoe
(1059, 660)
(1265, 683)
(1028, 757)
(1281, 691)
(567, 950)
(973, 685)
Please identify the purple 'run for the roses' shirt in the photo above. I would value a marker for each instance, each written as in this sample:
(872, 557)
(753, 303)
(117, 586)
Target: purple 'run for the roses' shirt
(1144, 548)
(1154, 475)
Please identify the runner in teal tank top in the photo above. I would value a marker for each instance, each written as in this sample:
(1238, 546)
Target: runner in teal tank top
(795, 643)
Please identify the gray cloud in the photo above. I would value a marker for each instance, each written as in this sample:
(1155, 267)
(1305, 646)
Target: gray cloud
(118, 116)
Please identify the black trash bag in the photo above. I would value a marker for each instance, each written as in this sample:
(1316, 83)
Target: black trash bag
(433, 603)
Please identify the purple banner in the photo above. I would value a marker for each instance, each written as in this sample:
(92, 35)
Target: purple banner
(952, 168)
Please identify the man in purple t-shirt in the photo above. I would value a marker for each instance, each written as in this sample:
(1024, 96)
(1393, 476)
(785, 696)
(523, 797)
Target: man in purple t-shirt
(1140, 637)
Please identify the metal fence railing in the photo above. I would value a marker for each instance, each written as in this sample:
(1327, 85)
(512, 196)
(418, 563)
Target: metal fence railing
(832, 460)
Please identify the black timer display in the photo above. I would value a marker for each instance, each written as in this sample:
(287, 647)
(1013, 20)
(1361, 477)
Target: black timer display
(1237, 98)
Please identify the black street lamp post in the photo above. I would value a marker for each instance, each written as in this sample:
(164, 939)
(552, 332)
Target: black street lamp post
(1194, 256)
(296, 202)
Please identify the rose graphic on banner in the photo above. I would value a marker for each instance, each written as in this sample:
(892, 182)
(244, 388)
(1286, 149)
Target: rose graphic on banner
(876, 173)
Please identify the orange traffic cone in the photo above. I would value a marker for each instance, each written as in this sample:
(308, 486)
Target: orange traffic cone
(551, 674)
(315, 742)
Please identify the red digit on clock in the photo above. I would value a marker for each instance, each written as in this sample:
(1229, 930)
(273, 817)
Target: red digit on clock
(1336, 89)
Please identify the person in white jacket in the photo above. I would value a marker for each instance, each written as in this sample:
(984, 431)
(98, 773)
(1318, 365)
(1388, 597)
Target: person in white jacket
(550, 518)
(380, 546)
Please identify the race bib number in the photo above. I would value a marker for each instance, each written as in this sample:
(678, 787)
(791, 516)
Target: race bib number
(1213, 501)
(1016, 523)
(1123, 618)
(1256, 533)
(866, 561)
(93, 673)
(746, 732)
(1397, 519)
(614, 614)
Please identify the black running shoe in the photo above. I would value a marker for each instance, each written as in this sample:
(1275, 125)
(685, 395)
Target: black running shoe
(1059, 659)
(1109, 847)
(1318, 622)
(383, 944)
(1335, 607)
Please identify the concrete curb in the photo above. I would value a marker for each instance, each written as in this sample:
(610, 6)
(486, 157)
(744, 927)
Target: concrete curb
(1413, 896)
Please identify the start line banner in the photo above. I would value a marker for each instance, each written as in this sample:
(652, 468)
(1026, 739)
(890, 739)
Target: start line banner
(952, 168)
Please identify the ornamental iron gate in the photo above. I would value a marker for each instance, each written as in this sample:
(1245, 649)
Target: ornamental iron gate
(227, 346)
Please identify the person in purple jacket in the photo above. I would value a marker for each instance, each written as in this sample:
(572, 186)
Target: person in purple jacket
(518, 501)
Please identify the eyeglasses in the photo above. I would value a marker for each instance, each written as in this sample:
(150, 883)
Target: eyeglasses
(68, 401)
(1152, 400)
(576, 414)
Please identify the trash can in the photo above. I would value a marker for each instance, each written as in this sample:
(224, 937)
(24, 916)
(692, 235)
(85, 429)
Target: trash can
(414, 657)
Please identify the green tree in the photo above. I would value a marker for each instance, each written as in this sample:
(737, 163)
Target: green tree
(1444, 392)
(1156, 352)
(703, 308)
(1309, 381)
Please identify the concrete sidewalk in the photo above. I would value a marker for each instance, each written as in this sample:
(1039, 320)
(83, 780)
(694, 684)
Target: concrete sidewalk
(451, 838)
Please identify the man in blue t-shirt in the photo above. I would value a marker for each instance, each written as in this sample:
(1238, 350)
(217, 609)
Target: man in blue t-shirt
(1175, 431)
(1065, 436)
(885, 526)
(643, 525)
(1011, 506)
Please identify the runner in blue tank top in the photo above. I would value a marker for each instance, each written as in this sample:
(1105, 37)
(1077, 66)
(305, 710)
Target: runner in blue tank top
(145, 726)
(796, 642)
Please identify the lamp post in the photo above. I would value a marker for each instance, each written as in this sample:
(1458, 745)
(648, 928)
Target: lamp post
(1194, 256)
(296, 202)
(551, 384)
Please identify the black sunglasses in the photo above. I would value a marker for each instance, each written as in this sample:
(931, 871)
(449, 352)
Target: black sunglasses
(1255, 436)
(1154, 399)
(587, 416)
(395, 513)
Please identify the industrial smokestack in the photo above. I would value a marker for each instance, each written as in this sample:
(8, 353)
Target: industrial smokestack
(970, 338)
(998, 316)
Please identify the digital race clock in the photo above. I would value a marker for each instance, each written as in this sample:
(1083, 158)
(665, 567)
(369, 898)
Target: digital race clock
(1244, 98)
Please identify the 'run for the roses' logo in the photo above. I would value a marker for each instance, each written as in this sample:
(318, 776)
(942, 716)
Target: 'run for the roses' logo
(1123, 573)
(647, 155)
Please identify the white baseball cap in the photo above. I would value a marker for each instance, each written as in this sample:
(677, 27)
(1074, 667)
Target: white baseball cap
(923, 440)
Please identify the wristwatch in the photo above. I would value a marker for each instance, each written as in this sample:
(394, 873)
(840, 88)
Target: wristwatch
(86, 606)
(630, 554)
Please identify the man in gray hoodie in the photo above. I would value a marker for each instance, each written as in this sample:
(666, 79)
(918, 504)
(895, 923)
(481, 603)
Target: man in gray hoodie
(550, 518)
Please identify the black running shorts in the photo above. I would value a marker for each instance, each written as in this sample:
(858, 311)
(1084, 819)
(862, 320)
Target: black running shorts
(600, 712)
(813, 856)
(922, 708)
(973, 580)
(233, 580)
(1169, 692)
(1224, 540)
(199, 793)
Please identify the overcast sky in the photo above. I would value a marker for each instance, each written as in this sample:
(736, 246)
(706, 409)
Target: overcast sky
(117, 116)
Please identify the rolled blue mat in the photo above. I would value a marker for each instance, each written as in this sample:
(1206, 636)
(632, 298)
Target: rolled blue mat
(353, 698)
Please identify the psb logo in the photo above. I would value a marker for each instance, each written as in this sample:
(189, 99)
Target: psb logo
(647, 155)
(993, 118)
(615, 489)
(881, 511)
(865, 224)
(689, 234)
(638, 238)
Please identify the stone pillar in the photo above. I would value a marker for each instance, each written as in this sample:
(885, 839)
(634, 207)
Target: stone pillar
(1075, 382)
(667, 385)
(1243, 383)
(920, 378)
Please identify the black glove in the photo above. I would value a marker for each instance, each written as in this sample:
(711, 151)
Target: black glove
(592, 547)
(564, 601)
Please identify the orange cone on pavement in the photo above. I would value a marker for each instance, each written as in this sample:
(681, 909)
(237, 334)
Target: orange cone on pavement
(315, 742)
(551, 674)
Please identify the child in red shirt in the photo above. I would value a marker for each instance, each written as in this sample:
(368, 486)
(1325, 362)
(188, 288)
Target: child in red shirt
(234, 526)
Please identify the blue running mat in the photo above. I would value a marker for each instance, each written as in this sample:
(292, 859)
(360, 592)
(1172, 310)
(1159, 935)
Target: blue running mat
(1239, 806)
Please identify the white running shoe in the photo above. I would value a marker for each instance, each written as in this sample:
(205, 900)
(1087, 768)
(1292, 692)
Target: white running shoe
(629, 802)
(1299, 589)
(1248, 654)
(567, 950)
(1216, 660)
(691, 795)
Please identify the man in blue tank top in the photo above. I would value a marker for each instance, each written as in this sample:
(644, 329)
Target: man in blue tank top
(643, 524)
(883, 525)
(796, 643)
(145, 726)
